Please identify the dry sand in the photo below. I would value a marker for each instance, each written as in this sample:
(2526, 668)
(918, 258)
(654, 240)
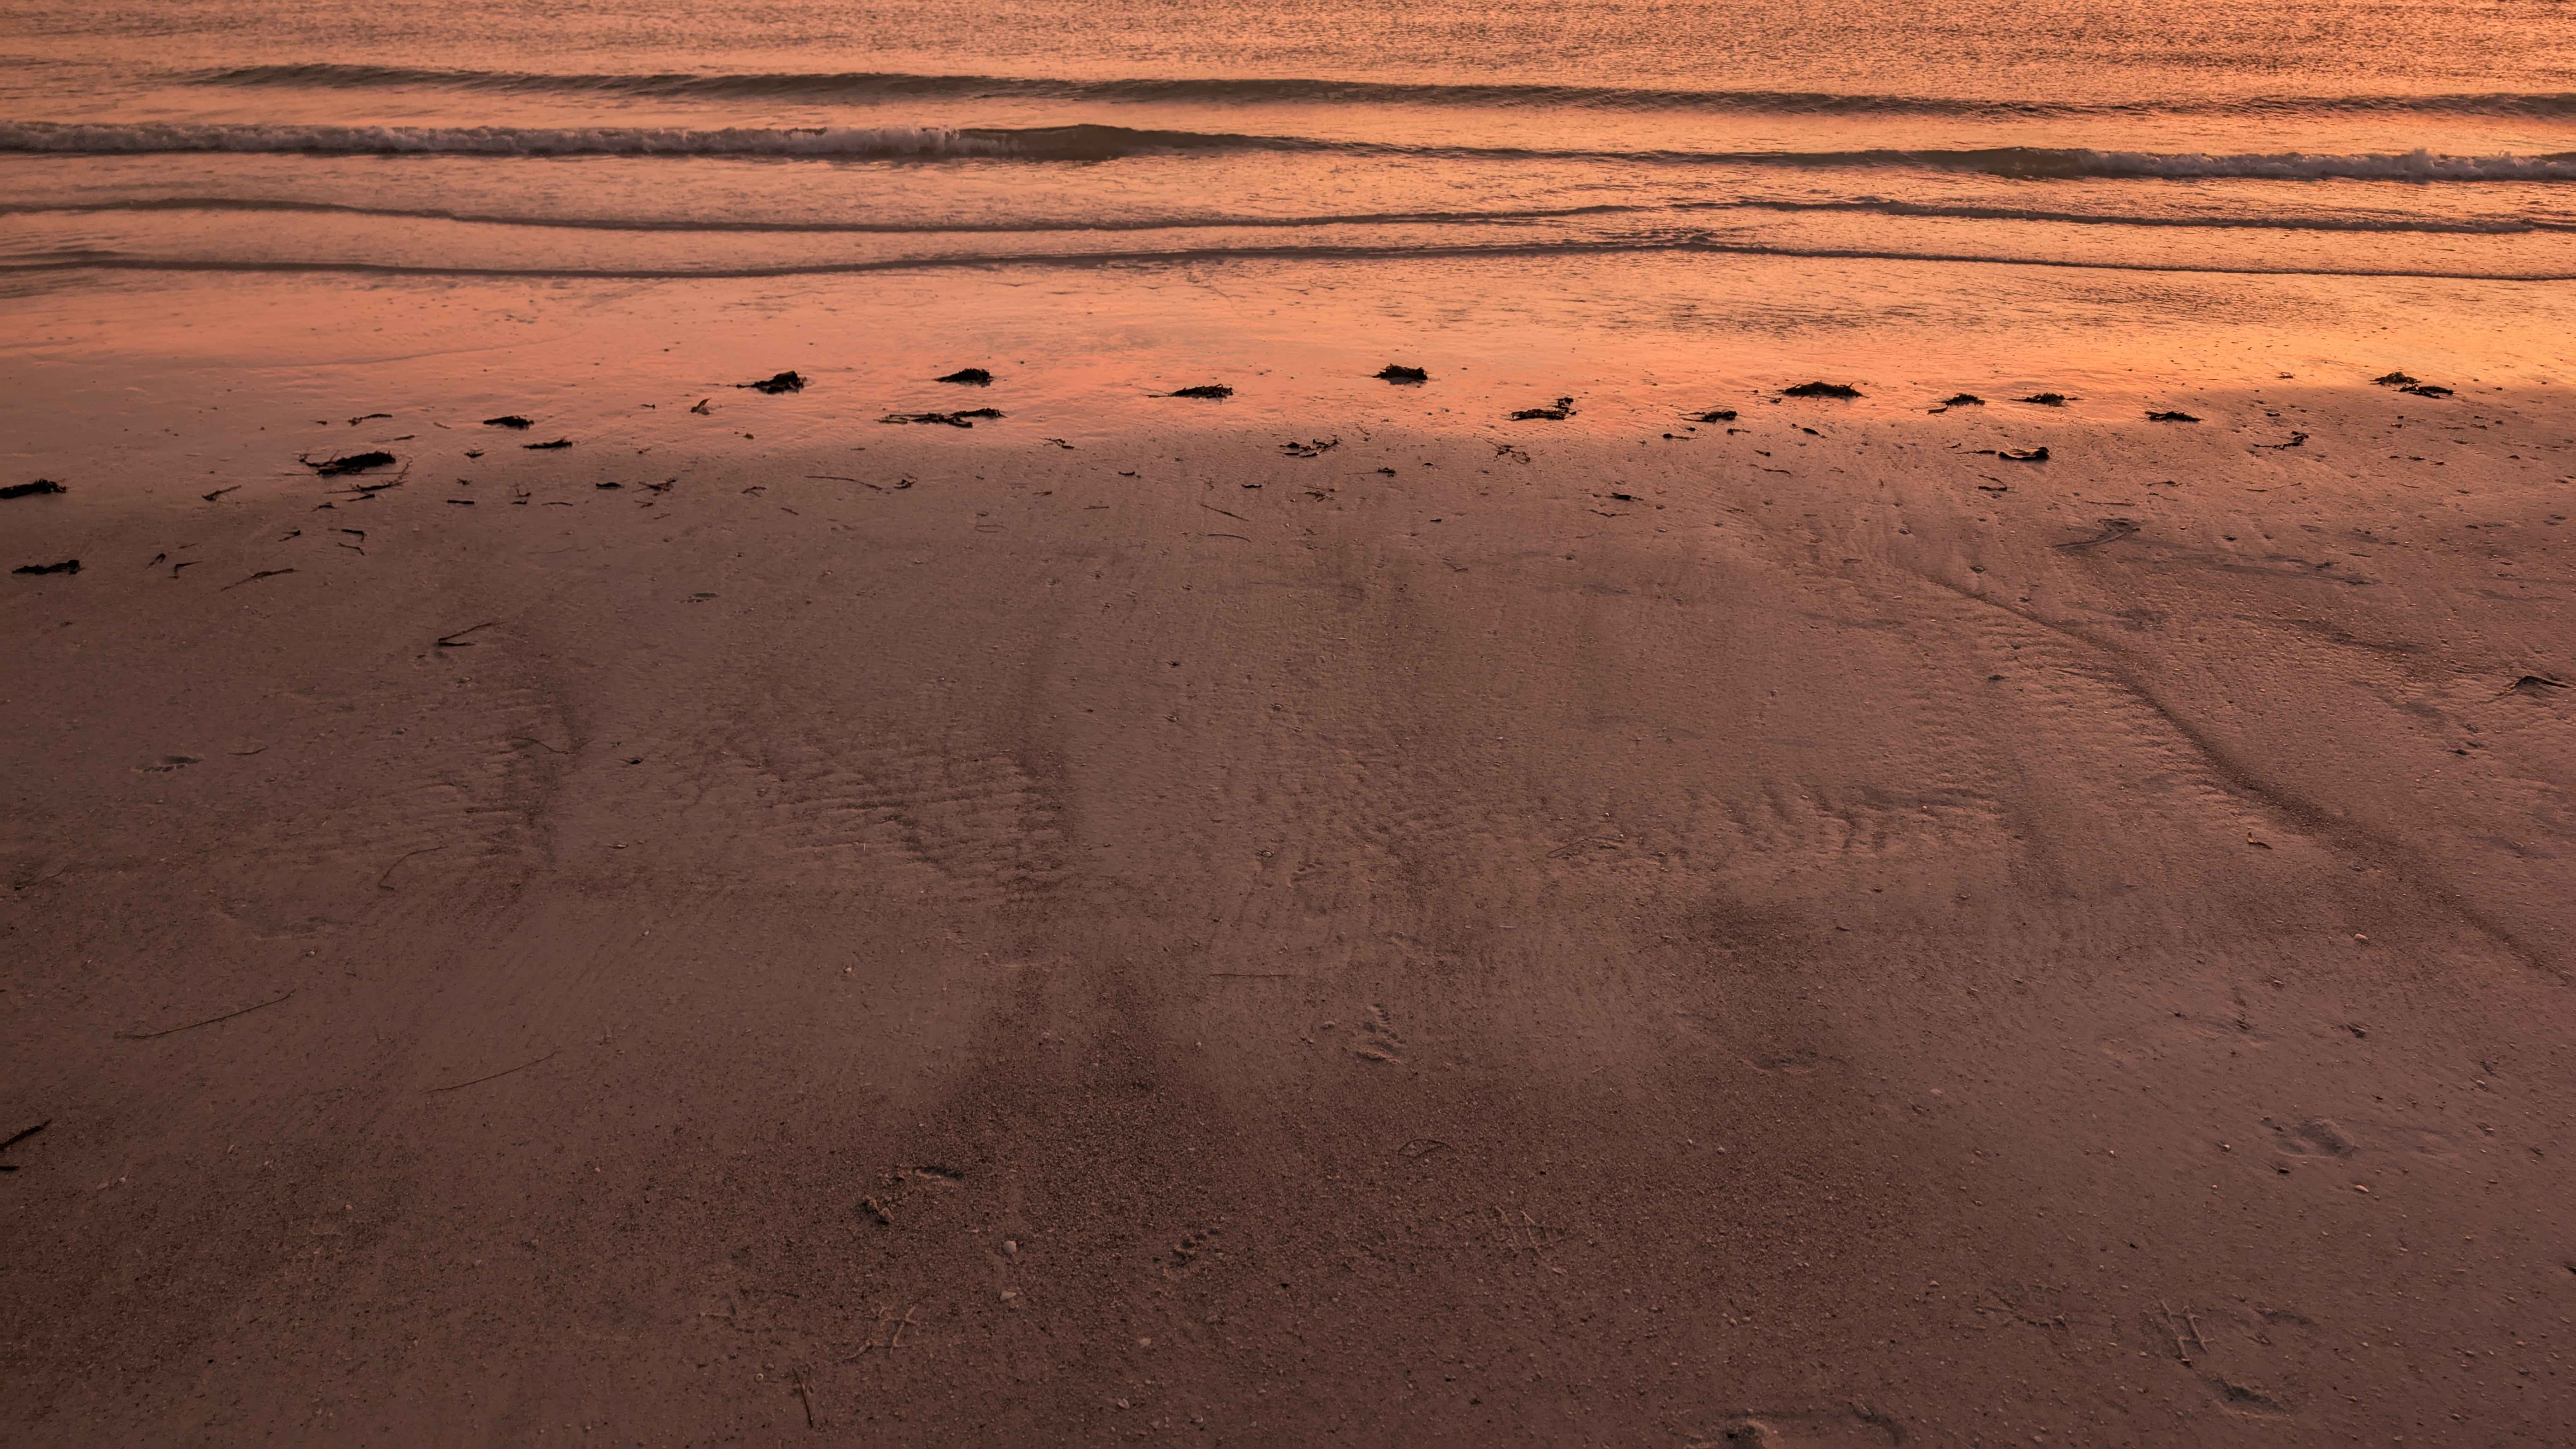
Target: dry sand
(1839, 945)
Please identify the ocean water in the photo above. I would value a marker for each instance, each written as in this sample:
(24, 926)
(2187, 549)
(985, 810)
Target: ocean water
(227, 226)
(627, 139)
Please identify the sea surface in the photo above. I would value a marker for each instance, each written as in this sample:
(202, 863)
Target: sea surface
(661, 138)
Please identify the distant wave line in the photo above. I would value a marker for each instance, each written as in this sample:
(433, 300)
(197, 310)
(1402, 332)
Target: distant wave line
(2467, 226)
(102, 260)
(863, 228)
(1106, 143)
(893, 85)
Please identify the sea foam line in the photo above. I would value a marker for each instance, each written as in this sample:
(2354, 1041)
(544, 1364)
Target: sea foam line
(109, 259)
(1103, 143)
(2514, 225)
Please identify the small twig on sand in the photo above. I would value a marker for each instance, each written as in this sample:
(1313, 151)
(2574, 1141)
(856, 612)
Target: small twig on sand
(892, 1343)
(21, 1135)
(505, 1071)
(383, 884)
(192, 1026)
(254, 578)
(2179, 1351)
(807, 1396)
(449, 641)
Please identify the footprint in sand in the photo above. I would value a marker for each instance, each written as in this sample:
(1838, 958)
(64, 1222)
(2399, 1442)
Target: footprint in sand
(2315, 1137)
(1378, 1040)
(1185, 1253)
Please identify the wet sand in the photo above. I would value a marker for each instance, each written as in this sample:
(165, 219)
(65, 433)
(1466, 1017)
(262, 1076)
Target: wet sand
(1765, 936)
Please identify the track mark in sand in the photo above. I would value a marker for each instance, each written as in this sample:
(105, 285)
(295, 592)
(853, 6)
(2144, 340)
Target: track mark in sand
(809, 809)
(2055, 1311)
(1737, 937)
(2253, 1359)
(2328, 1138)
(2317, 1136)
(2247, 1399)
(2239, 778)
(1790, 1061)
(453, 793)
(1378, 1040)
(1852, 824)
(1381, 815)
(1857, 1427)
(898, 1190)
(2178, 1033)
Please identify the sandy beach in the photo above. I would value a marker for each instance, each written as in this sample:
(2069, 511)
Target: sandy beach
(1331, 912)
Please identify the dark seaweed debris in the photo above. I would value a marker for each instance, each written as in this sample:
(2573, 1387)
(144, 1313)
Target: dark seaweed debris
(545, 446)
(2171, 417)
(1821, 389)
(783, 382)
(1559, 412)
(2427, 389)
(1398, 372)
(1212, 391)
(965, 419)
(350, 463)
(31, 490)
(1309, 450)
(969, 376)
(2395, 379)
(2016, 455)
(1713, 415)
(508, 420)
(1963, 400)
(2047, 399)
(67, 566)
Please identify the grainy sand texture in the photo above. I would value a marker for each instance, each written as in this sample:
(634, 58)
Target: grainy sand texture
(1325, 914)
